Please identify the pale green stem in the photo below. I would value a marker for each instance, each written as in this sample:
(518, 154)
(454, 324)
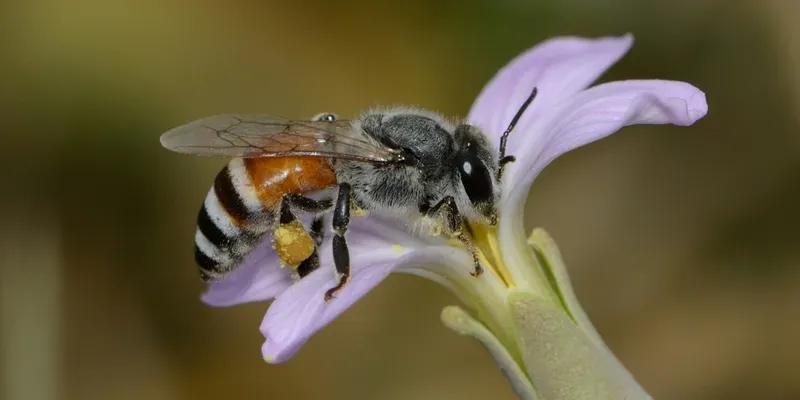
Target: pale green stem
(543, 341)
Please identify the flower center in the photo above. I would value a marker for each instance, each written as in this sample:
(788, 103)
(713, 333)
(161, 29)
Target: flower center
(487, 248)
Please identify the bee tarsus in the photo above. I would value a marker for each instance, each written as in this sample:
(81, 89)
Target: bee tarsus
(446, 210)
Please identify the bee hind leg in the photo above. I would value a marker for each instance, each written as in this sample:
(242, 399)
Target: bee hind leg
(341, 254)
(292, 241)
(318, 235)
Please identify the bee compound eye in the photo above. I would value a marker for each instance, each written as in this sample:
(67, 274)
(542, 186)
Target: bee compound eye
(475, 177)
(327, 117)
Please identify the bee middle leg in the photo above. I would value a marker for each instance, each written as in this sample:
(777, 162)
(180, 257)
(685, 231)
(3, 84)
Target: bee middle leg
(341, 254)
(454, 224)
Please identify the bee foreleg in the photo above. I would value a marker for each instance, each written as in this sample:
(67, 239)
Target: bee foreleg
(447, 209)
(341, 255)
(476, 262)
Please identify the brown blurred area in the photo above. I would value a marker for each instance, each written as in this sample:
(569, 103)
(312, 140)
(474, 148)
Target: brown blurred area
(681, 242)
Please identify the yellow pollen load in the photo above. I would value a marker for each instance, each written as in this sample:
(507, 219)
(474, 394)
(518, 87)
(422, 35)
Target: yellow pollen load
(293, 244)
(358, 212)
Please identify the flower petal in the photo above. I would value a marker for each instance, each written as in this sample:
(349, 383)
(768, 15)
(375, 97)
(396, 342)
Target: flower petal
(259, 278)
(463, 323)
(301, 311)
(588, 116)
(558, 68)
(376, 247)
(596, 113)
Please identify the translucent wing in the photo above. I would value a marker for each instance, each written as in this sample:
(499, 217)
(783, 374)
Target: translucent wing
(251, 136)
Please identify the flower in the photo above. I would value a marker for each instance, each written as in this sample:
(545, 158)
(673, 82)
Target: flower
(523, 307)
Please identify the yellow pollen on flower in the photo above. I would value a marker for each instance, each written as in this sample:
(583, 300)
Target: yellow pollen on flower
(487, 248)
(397, 248)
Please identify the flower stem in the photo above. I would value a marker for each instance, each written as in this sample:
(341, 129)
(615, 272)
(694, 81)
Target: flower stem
(538, 333)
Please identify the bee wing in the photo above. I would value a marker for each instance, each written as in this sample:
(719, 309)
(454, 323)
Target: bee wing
(251, 136)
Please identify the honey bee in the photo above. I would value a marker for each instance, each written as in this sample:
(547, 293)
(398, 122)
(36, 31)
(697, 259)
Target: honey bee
(401, 162)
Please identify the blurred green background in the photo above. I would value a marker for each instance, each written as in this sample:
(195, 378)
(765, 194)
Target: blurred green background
(681, 242)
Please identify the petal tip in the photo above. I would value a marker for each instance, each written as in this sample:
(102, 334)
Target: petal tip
(627, 39)
(272, 354)
(212, 298)
(623, 43)
(698, 106)
(455, 318)
(540, 238)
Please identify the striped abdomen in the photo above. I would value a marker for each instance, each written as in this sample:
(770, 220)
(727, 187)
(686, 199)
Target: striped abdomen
(242, 206)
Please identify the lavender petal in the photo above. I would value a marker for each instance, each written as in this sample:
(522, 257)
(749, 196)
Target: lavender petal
(301, 310)
(259, 278)
(558, 68)
(586, 117)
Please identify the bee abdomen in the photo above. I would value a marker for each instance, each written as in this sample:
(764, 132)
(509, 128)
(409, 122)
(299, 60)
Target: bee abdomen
(230, 223)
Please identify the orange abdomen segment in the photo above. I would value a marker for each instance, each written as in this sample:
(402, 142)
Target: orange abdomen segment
(274, 177)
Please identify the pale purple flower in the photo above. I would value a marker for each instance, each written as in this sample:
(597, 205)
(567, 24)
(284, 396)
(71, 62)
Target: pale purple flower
(564, 116)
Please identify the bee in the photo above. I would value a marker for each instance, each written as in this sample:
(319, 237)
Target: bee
(401, 162)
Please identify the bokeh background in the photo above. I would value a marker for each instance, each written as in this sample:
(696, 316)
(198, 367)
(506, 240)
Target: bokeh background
(682, 243)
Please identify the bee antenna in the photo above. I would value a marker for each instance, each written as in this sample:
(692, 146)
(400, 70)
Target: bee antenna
(517, 116)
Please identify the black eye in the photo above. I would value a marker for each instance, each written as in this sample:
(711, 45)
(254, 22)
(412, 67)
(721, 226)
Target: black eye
(474, 176)
(409, 157)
